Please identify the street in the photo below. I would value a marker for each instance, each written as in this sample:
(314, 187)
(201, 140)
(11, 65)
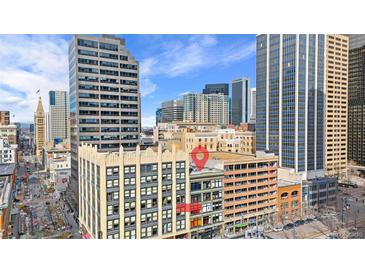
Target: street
(39, 211)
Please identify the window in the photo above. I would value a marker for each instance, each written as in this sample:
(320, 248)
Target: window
(128, 221)
(130, 193)
(129, 169)
(130, 234)
(113, 224)
(110, 210)
(167, 228)
(115, 196)
(109, 183)
(87, 43)
(180, 225)
(166, 214)
(129, 206)
(129, 181)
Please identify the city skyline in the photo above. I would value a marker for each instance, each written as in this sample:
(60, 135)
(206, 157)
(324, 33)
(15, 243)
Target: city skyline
(170, 65)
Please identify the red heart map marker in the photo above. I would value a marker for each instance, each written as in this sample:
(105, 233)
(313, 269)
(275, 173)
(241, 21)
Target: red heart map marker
(200, 156)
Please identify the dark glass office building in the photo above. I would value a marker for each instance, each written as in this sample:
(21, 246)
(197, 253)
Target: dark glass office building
(216, 89)
(356, 99)
(290, 100)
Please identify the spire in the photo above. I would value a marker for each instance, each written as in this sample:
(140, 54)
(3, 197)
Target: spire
(40, 110)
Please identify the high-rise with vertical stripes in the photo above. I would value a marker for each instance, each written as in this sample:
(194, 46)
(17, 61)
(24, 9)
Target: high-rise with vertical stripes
(290, 82)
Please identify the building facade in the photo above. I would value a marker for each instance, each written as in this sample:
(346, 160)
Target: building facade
(58, 116)
(172, 111)
(227, 140)
(290, 85)
(133, 194)
(243, 101)
(336, 92)
(7, 180)
(356, 99)
(40, 129)
(104, 98)
(7, 152)
(250, 189)
(206, 189)
(9, 132)
(216, 89)
(203, 108)
(319, 193)
(289, 207)
(4, 117)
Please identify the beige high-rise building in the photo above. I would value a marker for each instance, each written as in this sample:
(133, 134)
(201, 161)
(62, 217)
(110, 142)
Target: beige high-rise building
(336, 91)
(133, 194)
(203, 108)
(39, 128)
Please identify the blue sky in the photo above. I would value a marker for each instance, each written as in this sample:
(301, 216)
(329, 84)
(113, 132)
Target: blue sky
(169, 66)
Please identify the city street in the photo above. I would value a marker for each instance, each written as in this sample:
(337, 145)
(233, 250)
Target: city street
(42, 213)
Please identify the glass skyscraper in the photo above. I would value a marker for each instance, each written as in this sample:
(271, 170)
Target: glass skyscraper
(290, 100)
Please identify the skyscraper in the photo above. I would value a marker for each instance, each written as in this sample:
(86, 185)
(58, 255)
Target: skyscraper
(216, 89)
(356, 100)
(172, 110)
(206, 108)
(58, 115)
(242, 101)
(158, 116)
(336, 90)
(290, 100)
(40, 129)
(104, 98)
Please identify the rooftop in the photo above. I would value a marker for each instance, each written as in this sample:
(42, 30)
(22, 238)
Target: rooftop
(6, 169)
(284, 183)
(234, 157)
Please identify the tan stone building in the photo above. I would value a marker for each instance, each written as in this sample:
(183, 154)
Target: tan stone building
(133, 194)
(39, 129)
(337, 56)
(8, 132)
(227, 140)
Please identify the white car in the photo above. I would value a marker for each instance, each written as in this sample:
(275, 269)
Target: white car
(278, 228)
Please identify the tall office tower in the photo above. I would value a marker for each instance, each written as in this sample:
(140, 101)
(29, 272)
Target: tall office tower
(158, 116)
(253, 106)
(356, 121)
(216, 89)
(4, 117)
(40, 129)
(172, 111)
(58, 115)
(104, 98)
(290, 100)
(133, 194)
(206, 108)
(336, 90)
(242, 101)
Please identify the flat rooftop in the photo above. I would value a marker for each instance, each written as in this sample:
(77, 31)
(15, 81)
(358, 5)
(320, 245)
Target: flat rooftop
(283, 183)
(6, 169)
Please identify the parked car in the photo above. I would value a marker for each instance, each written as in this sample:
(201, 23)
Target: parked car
(278, 228)
(299, 223)
(288, 226)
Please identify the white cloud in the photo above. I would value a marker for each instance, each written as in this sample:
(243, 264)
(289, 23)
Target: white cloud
(147, 87)
(29, 63)
(198, 52)
(238, 52)
(148, 121)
